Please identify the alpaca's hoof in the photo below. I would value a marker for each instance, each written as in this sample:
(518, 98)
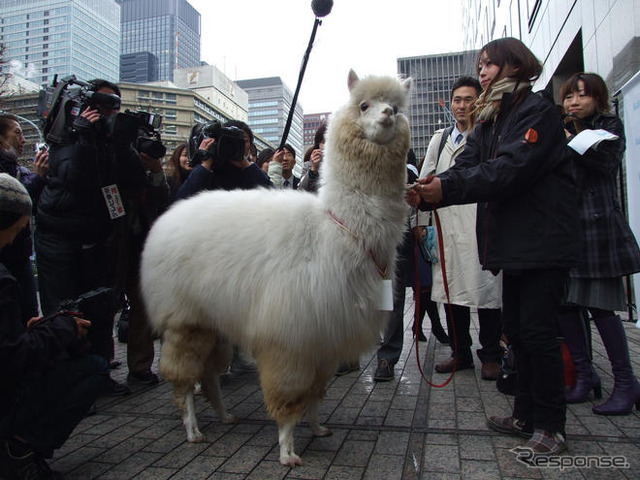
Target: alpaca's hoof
(229, 419)
(291, 460)
(195, 437)
(321, 431)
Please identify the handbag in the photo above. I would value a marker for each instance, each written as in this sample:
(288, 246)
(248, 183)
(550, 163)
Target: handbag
(429, 245)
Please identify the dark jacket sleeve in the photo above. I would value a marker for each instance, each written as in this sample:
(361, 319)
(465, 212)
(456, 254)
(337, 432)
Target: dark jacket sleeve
(528, 146)
(253, 176)
(22, 352)
(607, 155)
(198, 180)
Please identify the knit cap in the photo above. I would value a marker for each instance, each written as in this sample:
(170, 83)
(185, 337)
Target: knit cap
(14, 198)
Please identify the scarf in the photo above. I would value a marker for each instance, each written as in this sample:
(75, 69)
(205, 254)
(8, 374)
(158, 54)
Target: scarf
(488, 103)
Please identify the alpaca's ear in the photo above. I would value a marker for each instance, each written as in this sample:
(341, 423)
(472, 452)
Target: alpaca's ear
(406, 83)
(352, 80)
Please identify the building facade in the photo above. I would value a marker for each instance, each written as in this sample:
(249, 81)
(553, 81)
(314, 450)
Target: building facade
(138, 67)
(433, 76)
(217, 88)
(167, 29)
(568, 36)
(311, 123)
(43, 38)
(269, 105)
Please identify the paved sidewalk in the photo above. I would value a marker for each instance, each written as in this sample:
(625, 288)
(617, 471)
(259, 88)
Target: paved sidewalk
(403, 429)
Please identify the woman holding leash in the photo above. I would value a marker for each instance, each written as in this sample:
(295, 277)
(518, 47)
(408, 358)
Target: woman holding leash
(515, 166)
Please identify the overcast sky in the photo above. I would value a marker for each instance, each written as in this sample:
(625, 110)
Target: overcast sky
(267, 38)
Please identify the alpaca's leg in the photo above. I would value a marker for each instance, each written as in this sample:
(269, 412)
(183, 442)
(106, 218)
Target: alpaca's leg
(189, 419)
(285, 439)
(313, 418)
(211, 390)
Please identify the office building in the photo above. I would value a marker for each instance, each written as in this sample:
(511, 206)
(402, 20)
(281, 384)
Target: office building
(311, 123)
(43, 38)
(138, 67)
(269, 104)
(216, 87)
(168, 29)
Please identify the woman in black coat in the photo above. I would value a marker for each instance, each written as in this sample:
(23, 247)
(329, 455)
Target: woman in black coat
(516, 167)
(609, 249)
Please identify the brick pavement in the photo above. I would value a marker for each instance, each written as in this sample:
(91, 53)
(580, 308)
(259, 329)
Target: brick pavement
(403, 429)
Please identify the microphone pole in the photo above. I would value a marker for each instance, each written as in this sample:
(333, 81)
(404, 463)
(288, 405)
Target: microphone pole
(305, 59)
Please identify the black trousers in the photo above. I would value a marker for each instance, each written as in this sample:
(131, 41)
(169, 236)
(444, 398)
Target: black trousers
(531, 300)
(68, 269)
(52, 403)
(490, 320)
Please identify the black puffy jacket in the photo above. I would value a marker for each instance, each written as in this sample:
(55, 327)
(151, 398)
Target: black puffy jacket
(72, 202)
(518, 169)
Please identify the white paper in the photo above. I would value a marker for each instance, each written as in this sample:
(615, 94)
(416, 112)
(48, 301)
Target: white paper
(590, 138)
(385, 297)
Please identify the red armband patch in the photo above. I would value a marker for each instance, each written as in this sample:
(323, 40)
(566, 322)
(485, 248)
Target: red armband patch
(531, 136)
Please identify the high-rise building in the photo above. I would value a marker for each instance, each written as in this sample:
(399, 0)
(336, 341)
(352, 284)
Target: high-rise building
(433, 76)
(269, 104)
(311, 123)
(139, 67)
(168, 29)
(43, 38)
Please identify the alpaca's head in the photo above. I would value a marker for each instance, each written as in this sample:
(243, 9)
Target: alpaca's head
(367, 140)
(377, 102)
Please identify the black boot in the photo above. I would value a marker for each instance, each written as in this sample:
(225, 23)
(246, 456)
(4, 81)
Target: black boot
(626, 389)
(430, 307)
(574, 332)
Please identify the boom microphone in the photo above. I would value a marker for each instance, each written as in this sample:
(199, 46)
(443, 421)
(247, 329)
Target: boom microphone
(321, 8)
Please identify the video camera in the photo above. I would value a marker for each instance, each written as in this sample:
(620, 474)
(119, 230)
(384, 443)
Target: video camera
(228, 145)
(140, 129)
(61, 103)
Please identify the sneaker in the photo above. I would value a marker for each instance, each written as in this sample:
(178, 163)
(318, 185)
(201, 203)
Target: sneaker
(545, 442)
(145, 377)
(117, 389)
(510, 425)
(345, 368)
(384, 372)
(19, 461)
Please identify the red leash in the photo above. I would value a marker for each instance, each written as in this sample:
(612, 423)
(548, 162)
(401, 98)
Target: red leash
(417, 301)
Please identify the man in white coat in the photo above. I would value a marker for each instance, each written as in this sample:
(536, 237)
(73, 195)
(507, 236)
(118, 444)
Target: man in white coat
(469, 285)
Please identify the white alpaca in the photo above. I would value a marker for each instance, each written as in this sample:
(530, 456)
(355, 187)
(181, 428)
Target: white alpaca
(292, 277)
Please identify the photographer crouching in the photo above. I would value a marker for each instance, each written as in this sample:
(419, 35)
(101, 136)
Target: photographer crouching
(220, 155)
(48, 383)
(92, 167)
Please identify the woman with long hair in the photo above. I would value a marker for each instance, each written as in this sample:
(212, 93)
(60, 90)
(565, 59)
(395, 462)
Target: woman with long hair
(609, 249)
(516, 167)
(177, 169)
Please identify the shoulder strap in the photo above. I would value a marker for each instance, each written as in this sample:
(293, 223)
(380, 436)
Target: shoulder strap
(446, 133)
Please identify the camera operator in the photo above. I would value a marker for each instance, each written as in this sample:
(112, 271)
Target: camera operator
(89, 172)
(215, 171)
(48, 385)
(143, 207)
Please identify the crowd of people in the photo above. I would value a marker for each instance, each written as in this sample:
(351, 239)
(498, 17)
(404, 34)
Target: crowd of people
(550, 251)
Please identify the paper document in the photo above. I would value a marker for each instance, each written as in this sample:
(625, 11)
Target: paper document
(590, 138)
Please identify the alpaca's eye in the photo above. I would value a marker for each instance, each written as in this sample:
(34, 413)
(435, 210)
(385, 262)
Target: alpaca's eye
(364, 106)
(395, 110)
